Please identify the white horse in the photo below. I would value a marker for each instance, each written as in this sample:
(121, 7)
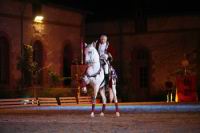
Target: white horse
(95, 77)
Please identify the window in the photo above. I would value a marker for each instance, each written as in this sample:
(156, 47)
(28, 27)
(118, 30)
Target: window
(141, 76)
(67, 61)
(144, 77)
(38, 58)
(4, 60)
(142, 55)
(143, 60)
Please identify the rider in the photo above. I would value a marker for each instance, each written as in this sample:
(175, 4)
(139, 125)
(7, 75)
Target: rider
(105, 56)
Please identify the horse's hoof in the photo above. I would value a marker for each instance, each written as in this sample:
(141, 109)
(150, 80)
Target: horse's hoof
(117, 114)
(92, 114)
(102, 114)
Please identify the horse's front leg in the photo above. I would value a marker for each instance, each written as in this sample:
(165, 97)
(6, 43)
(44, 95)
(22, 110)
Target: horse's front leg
(96, 89)
(102, 92)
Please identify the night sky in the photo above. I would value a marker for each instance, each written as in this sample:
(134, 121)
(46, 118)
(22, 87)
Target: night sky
(109, 9)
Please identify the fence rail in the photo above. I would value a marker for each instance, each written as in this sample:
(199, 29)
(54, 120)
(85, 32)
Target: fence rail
(67, 100)
(18, 102)
(85, 99)
(44, 101)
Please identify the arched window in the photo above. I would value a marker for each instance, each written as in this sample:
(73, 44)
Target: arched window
(141, 72)
(67, 61)
(38, 58)
(143, 67)
(4, 60)
(198, 71)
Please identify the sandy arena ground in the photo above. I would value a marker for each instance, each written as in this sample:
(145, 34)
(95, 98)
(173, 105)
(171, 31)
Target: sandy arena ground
(79, 121)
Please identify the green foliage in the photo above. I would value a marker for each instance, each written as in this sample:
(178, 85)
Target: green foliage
(27, 66)
(54, 77)
(25, 62)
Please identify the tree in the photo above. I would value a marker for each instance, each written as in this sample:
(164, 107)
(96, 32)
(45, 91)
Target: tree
(28, 66)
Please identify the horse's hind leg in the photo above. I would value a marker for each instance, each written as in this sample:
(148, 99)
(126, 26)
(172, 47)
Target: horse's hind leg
(102, 92)
(115, 97)
(111, 96)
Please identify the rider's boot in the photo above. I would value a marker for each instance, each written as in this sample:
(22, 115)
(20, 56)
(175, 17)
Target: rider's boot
(107, 81)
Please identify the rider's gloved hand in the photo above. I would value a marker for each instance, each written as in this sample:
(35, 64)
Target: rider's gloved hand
(110, 58)
(104, 56)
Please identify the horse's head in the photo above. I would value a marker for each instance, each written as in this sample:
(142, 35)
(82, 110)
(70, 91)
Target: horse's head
(91, 54)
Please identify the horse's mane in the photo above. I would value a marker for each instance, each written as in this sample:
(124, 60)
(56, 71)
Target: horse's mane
(92, 45)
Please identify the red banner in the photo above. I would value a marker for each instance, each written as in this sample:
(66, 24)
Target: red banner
(186, 88)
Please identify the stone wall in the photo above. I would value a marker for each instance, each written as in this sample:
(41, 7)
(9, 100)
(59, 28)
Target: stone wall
(60, 27)
(167, 39)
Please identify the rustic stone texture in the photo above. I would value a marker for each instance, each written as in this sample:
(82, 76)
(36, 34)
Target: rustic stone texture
(173, 23)
(167, 38)
(61, 27)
